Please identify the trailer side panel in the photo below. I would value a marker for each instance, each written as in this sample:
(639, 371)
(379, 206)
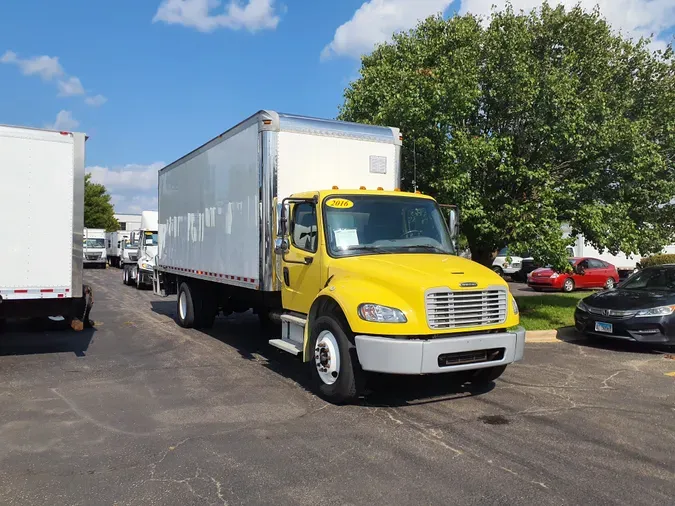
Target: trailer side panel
(209, 218)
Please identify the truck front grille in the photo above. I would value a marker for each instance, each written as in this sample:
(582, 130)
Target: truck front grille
(133, 257)
(93, 256)
(447, 309)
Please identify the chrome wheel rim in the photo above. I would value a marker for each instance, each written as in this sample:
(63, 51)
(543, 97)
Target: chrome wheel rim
(182, 305)
(327, 357)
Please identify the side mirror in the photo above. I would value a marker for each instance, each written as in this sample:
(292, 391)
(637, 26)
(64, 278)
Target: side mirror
(281, 245)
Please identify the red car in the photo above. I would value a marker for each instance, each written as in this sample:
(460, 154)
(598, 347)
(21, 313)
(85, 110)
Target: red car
(587, 273)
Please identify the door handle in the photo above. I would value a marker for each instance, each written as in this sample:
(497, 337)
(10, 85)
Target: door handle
(287, 277)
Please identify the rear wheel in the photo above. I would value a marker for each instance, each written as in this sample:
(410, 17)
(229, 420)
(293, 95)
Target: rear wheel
(185, 310)
(609, 284)
(333, 365)
(568, 285)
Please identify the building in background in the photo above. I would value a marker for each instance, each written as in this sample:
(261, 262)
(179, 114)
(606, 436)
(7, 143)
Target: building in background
(128, 221)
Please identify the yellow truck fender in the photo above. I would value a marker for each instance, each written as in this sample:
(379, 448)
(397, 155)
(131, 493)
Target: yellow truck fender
(347, 294)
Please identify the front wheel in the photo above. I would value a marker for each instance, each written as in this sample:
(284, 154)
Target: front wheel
(333, 365)
(568, 285)
(498, 270)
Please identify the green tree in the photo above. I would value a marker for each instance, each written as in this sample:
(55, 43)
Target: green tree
(98, 211)
(528, 122)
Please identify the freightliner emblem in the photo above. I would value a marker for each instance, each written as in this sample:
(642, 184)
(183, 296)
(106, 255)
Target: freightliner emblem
(468, 284)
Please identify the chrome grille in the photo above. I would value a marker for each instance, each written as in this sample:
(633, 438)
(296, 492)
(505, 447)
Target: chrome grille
(133, 257)
(613, 313)
(447, 309)
(93, 256)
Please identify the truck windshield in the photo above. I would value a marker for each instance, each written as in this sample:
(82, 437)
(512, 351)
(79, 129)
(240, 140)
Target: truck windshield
(94, 243)
(150, 238)
(369, 224)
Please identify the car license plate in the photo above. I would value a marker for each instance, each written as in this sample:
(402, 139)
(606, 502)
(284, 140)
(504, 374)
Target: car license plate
(604, 327)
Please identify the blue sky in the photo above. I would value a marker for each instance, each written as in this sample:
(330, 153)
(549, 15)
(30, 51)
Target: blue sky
(150, 80)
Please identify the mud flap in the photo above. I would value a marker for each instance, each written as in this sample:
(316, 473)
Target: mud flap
(83, 308)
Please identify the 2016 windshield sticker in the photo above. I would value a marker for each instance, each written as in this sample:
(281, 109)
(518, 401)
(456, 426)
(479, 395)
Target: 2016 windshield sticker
(340, 203)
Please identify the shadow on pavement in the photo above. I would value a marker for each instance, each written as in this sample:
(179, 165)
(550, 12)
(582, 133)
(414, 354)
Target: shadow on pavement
(42, 335)
(244, 333)
(570, 335)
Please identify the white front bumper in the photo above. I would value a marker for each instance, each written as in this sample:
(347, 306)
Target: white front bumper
(420, 356)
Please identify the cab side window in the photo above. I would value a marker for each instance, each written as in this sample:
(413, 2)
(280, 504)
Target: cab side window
(595, 264)
(304, 234)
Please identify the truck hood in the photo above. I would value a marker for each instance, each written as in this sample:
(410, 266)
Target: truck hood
(417, 272)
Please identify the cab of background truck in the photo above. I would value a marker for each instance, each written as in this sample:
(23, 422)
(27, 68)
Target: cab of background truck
(370, 283)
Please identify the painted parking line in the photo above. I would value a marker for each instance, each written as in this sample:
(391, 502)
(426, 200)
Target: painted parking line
(671, 374)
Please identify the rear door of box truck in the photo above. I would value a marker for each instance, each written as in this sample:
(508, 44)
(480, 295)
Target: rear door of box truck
(41, 198)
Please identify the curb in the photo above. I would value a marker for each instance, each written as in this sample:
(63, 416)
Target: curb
(564, 334)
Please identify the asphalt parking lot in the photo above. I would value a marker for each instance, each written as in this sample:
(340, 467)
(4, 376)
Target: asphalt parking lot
(140, 411)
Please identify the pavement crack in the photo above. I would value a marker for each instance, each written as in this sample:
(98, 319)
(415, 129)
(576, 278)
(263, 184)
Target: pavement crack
(604, 382)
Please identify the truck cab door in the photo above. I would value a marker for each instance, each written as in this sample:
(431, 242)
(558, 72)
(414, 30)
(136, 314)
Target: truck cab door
(301, 265)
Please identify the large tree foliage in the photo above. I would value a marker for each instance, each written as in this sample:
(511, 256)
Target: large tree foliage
(529, 122)
(98, 211)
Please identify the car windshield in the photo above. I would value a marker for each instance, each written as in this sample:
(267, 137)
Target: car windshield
(94, 243)
(368, 224)
(655, 278)
(150, 238)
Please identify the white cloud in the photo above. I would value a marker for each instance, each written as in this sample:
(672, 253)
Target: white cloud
(135, 204)
(69, 87)
(64, 122)
(375, 22)
(96, 100)
(47, 67)
(206, 15)
(634, 18)
(128, 177)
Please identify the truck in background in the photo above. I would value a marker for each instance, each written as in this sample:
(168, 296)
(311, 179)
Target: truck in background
(94, 252)
(274, 216)
(42, 205)
(115, 241)
(140, 272)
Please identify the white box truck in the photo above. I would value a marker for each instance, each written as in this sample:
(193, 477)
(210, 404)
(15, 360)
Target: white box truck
(42, 210)
(115, 242)
(302, 221)
(140, 272)
(94, 253)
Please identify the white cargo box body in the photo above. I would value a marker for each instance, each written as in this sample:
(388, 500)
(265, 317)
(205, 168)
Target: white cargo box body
(42, 202)
(216, 203)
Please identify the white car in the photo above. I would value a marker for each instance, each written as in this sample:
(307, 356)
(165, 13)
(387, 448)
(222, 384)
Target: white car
(503, 267)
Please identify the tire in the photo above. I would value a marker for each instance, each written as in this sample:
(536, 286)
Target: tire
(487, 375)
(125, 277)
(568, 285)
(197, 310)
(139, 285)
(185, 311)
(338, 381)
(498, 270)
(609, 284)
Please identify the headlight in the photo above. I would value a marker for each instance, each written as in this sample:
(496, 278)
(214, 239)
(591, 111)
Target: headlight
(554, 275)
(656, 311)
(146, 266)
(381, 314)
(514, 305)
(581, 306)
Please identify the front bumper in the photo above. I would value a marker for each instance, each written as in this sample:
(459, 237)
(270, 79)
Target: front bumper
(98, 261)
(395, 355)
(656, 330)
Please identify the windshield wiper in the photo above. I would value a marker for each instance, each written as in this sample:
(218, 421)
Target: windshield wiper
(428, 247)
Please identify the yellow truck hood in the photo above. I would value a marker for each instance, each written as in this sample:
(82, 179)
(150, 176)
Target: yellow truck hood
(417, 271)
(400, 281)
